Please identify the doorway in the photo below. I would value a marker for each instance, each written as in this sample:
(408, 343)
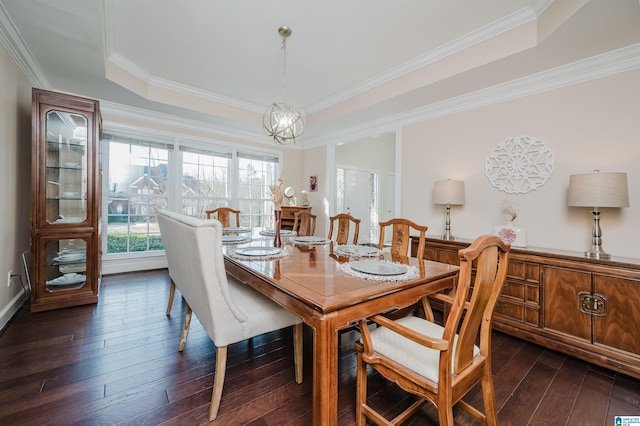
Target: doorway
(357, 195)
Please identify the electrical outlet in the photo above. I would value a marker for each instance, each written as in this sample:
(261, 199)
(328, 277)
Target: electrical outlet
(9, 278)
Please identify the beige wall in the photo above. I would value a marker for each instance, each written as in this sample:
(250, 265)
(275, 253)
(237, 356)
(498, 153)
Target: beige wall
(593, 125)
(314, 163)
(15, 178)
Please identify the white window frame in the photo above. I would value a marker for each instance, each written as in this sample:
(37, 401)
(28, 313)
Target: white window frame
(134, 261)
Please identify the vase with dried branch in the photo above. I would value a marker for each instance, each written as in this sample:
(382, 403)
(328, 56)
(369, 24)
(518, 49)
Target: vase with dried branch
(510, 233)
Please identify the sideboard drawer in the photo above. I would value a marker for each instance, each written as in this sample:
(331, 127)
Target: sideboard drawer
(520, 313)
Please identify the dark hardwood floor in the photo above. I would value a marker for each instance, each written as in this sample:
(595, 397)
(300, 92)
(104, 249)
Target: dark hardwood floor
(117, 362)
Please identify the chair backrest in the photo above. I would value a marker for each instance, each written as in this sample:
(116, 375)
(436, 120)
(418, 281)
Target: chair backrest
(400, 236)
(489, 256)
(344, 221)
(304, 223)
(223, 215)
(196, 265)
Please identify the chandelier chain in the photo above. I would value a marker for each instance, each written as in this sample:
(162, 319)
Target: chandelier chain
(284, 69)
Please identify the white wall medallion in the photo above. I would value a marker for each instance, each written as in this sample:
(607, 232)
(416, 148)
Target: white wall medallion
(519, 165)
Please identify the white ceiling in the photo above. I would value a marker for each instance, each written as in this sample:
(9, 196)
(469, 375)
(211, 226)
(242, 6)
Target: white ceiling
(350, 63)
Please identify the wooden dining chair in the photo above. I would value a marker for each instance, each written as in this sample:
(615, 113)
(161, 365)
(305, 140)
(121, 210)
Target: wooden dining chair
(344, 222)
(223, 214)
(304, 223)
(230, 311)
(440, 364)
(400, 236)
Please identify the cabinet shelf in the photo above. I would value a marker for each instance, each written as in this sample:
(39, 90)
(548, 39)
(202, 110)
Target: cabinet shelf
(62, 146)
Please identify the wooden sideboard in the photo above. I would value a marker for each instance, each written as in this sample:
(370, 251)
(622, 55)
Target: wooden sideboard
(586, 308)
(287, 215)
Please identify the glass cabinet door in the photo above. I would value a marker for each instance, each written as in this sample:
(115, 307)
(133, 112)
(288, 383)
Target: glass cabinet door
(66, 166)
(66, 261)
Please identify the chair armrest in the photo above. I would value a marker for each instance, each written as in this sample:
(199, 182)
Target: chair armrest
(424, 340)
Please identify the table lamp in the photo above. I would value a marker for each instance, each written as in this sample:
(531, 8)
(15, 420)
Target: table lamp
(597, 190)
(450, 193)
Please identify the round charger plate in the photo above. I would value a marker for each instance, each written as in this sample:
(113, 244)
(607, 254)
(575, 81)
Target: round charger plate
(235, 230)
(351, 250)
(234, 238)
(376, 267)
(272, 232)
(257, 251)
(309, 239)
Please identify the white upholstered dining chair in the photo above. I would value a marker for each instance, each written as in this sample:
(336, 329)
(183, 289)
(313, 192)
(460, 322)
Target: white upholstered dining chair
(228, 310)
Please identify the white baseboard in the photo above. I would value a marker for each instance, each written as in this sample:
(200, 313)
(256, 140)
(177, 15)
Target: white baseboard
(120, 265)
(11, 309)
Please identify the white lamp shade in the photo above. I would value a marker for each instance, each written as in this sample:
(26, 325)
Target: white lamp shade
(598, 190)
(448, 192)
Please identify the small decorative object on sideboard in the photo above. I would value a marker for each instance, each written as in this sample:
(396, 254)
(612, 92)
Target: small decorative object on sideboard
(289, 195)
(305, 200)
(510, 233)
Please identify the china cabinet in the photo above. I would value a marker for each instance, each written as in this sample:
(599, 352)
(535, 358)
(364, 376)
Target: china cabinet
(65, 207)
(586, 308)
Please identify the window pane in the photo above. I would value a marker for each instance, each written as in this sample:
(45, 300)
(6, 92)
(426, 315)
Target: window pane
(255, 174)
(204, 180)
(138, 178)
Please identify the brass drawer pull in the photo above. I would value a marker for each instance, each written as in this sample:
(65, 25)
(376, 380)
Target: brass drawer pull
(592, 304)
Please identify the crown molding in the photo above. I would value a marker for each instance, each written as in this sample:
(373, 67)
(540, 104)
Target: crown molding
(114, 111)
(599, 66)
(16, 48)
(480, 35)
(151, 81)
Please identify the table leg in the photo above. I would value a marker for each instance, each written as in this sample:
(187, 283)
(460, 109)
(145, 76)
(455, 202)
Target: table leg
(325, 372)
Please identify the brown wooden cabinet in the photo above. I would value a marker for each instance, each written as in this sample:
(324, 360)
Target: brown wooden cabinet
(66, 200)
(583, 307)
(287, 215)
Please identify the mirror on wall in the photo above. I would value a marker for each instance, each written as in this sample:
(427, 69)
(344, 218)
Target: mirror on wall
(365, 182)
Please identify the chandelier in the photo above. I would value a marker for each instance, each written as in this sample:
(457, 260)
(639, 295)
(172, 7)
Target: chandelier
(281, 121)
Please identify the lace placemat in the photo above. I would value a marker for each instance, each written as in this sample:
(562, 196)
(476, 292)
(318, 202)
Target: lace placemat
(411, 273)
(253, 253)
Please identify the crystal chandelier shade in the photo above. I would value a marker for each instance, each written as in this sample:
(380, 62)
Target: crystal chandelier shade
(281, 121)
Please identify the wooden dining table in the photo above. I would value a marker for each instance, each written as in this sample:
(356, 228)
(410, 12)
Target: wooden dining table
(310, 282)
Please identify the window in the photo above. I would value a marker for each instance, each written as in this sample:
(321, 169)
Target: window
(205, 180)
(145, 174)
(138, 182)
(255, 174)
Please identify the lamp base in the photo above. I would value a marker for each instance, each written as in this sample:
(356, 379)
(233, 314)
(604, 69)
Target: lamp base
(596, 252)
(448, 237)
